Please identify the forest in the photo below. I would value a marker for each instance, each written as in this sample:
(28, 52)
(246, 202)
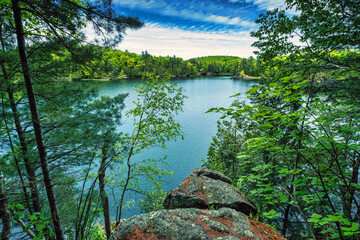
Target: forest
(108, 63)
(293, 149)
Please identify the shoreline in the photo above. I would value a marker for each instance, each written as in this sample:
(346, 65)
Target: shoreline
(248, 78)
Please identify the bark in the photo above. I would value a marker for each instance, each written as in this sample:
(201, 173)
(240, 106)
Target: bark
(286, 220)
(354, 180)
(36, 120)
(27, 198)
(235, 150)
(4, 211)
(31, 174)
(25, 154)
(104, 197)
(128, 176)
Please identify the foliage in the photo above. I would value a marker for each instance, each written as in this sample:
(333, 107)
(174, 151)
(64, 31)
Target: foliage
(100, 62)
(44, 24)
(321, 27)
(298, 147)
(348, 228)
(157, 103)
(86, 116)
(305, 158)
(97, 233)
(36, 222)
(225, 65)
(153, 200)
(228, 141)
(159, 100)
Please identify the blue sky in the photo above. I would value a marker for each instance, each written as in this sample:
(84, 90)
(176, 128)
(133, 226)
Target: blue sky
(193, 28)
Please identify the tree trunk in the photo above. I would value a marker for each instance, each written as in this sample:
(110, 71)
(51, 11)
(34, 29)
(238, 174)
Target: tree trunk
(36, 120)
(25, 154)
(31, 174)
(286, 220)
(27, 198)
(4, 211)
(104, 197)
(354, 180)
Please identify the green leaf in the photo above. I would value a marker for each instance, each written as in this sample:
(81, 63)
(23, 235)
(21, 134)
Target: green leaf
(40, 227)
(253, 89)
(32, 218)
(271, 214)
(18, 215)
(19, 206)
(315, 218)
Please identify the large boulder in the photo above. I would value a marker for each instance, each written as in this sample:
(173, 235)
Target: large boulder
(203, 206)
(194, 224)
(207, 189)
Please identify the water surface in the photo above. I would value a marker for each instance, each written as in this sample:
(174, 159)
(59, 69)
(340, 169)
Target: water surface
(183, 155)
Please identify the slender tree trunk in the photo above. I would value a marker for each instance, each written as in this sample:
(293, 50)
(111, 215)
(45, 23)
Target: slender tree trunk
(5, 214)
(235, 148)
(25, 154)
(354, 180)
(27, 198)
(128, 176)
(36, 120)
(31, 177)
(104, 197)
(286, 220)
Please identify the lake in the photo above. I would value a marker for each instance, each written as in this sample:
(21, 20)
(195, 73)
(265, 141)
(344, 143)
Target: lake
(199, 127)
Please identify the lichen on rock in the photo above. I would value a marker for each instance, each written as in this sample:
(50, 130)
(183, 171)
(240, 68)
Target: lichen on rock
(187, 213)
(206, 189)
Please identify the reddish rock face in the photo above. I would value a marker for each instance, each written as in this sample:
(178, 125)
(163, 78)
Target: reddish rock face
(192, 223)
(138, 234)
(187, 215)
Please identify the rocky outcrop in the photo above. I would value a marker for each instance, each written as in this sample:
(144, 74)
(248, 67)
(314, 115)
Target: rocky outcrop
(203, 206)
(207, 189)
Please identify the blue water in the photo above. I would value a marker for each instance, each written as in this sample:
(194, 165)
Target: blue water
(183, 155)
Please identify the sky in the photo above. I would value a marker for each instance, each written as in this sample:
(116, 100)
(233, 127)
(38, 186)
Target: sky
(193, 28)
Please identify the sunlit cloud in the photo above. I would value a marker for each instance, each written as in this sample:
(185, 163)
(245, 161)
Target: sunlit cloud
(193, 28)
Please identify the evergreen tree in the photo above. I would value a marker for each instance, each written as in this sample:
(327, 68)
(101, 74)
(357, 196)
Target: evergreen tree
(71, 16)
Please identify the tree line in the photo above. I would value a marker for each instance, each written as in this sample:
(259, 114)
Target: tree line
(109, 63)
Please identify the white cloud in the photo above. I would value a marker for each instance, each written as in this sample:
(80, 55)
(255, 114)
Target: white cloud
(162, 41)
(170, 10)
(234, 20)
(212, 18)
(218, 19)
(145, 4)
(270, 5)
(264, 4)
(267, 4)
